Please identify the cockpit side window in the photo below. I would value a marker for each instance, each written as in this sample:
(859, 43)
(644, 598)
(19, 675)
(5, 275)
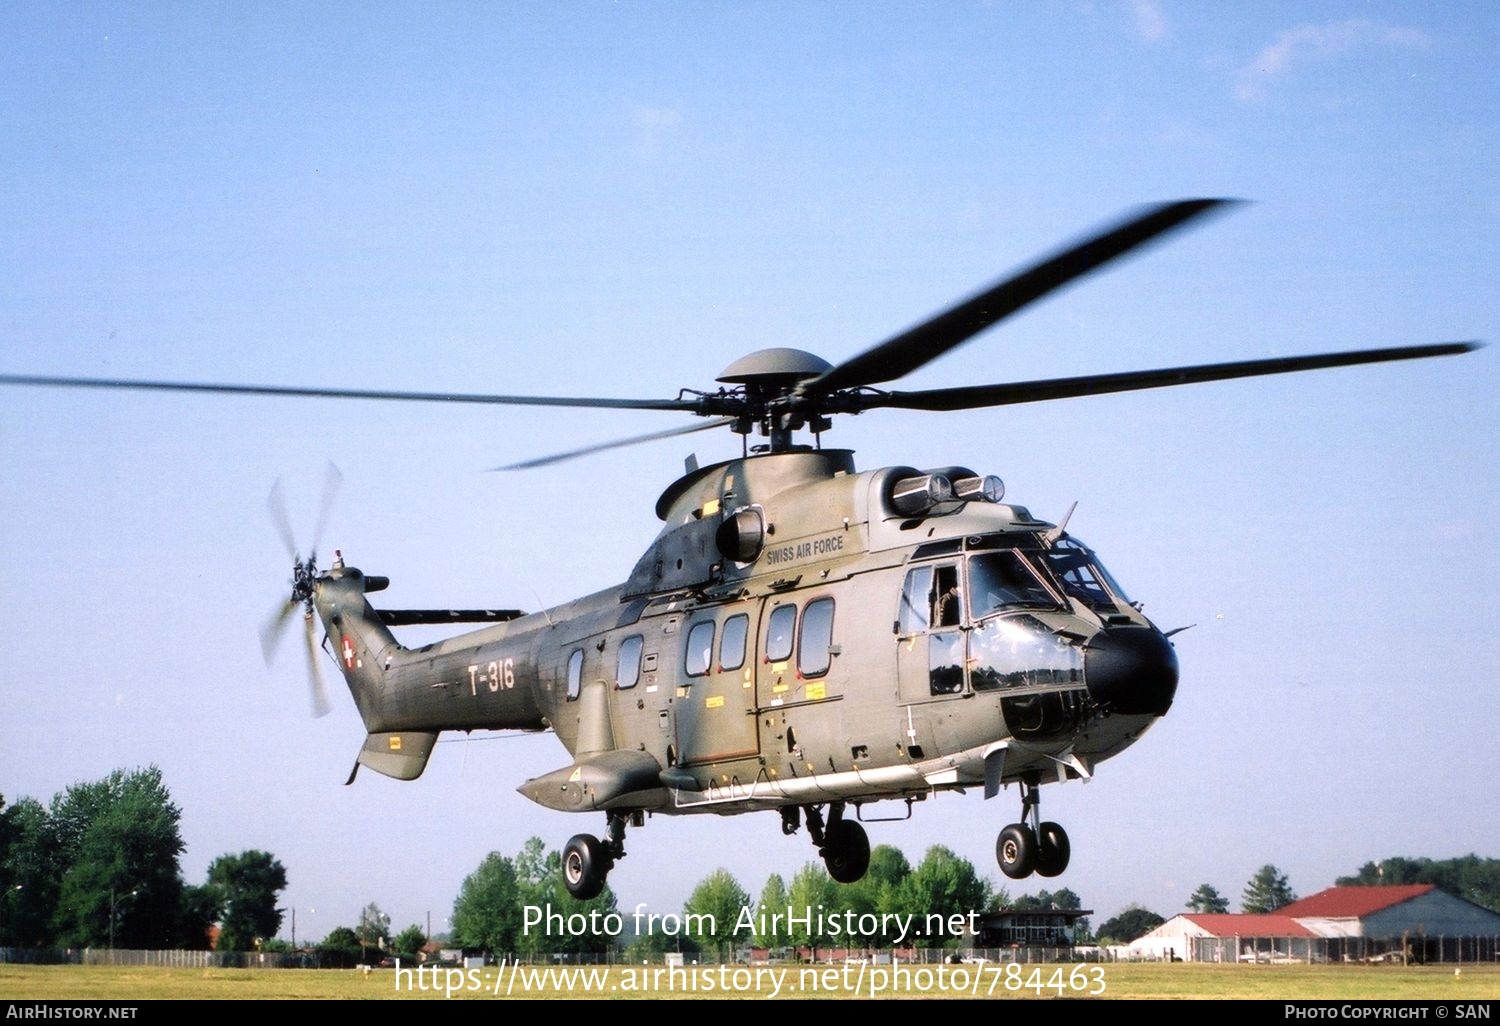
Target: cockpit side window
(1081, 575)
(930, 600)
(947, 603)
(916, 602)
(1003, 579)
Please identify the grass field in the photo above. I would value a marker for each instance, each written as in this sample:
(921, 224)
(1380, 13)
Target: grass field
(1436, 983)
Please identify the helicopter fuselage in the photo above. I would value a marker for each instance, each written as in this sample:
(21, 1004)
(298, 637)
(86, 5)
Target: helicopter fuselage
(798, 633)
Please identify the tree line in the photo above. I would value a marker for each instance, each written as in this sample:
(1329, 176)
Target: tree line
(100, 866)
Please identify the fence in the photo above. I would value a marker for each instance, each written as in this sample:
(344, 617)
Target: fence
(166, 958)
(1415, 949)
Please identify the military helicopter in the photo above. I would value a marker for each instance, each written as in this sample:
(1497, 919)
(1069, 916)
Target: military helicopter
(801, 636)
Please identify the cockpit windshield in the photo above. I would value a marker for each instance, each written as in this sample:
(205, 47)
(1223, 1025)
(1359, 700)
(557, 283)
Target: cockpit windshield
(1084, 577)
(1003, 579)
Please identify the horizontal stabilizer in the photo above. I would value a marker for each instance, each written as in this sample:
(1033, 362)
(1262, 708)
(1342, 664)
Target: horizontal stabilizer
(400, 754)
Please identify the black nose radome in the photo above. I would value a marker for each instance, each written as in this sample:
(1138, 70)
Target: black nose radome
(1131, 670)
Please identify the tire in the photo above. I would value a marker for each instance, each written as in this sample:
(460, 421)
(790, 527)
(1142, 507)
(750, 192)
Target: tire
(846, 850)
(584, 866)
(1015, 850)
(1052, 850)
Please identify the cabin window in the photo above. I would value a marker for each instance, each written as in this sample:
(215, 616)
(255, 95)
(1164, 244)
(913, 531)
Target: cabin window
(575, 673)
(814, 654)
(700, 648)
(732, 642)
(628, 668)
(780, 630)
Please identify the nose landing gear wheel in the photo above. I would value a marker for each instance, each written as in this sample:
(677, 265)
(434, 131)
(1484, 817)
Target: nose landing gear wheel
(1015, 850)
(1052, 850)
(584, 866)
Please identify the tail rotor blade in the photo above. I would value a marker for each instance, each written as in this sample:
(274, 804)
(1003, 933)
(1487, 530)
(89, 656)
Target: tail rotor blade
(315, 671)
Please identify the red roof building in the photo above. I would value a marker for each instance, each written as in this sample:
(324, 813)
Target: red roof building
(1354, 902)
(1330, 924)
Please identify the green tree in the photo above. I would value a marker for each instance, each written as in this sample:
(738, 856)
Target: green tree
(770, 917)
(1206, 899)
(539, 878)
(487, 911)
(1064, 899)
(247, 886)
(373, 931)
(943, 884)
(340, 949)
(1060, 899)
(29, 874)
(118, 844)
(1267, 891)
(811, 886)
(720, 899)
(1128, 925)
(201, 908)
(879, 891)
(409, 942)
(1469, 877)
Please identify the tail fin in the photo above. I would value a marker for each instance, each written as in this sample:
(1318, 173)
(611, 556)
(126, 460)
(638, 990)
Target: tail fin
(362, 644)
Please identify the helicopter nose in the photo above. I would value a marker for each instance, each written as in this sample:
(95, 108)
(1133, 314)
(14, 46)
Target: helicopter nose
(1131, 670)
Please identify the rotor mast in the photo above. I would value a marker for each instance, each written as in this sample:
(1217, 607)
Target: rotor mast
(768, 380)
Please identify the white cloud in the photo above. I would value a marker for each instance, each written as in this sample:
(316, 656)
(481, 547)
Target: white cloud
(1150, 22)
(1307, 43)
(653, 127)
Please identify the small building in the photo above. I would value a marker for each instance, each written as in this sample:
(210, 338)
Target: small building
(1037, 928)
(1410, 921)
(1390, 911)
(1232, 938)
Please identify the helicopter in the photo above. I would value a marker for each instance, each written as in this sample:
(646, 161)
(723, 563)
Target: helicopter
(801, 636)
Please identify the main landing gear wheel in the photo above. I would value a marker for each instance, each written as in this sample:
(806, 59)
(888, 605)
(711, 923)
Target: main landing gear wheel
(585, 865)
(1052, 850)
(1015, 850)
(845, 850)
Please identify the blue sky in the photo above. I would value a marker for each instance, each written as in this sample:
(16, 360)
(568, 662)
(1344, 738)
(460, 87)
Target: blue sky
(621, 199)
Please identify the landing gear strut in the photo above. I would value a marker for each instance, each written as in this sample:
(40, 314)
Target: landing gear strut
(586, 860)
(1032, 845)
(843, 843)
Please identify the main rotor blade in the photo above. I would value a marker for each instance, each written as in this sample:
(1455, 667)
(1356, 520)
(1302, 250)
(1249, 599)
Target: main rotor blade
(617, 444)
(333, 478)
(979, 396)
(347, 393)
(932, 338)
(282, 520)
